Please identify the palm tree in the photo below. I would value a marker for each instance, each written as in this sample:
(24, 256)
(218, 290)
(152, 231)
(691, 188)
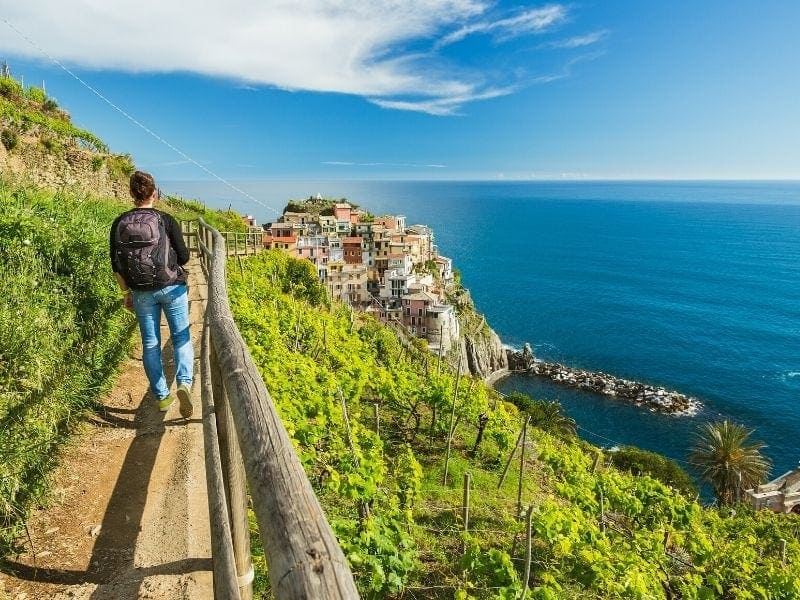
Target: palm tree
(726, 461)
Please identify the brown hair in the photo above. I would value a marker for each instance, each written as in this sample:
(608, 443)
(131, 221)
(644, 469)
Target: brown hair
(142, 187)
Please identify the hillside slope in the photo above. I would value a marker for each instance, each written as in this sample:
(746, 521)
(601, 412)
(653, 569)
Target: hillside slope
(597, 532)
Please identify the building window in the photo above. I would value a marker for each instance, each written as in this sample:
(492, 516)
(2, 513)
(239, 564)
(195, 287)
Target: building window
(420, 311)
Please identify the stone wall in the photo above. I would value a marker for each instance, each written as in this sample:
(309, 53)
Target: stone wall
(67, 166)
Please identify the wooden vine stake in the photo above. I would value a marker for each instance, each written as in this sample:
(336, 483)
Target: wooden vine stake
(602, 511)
(528, 553)
(452, 423)
(439, 360)
(783, 552)
(363, 508)
(377, 420)
(511, 456)
(521, 468)
(465, 507)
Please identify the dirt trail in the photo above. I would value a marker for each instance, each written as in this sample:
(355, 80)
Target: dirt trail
(129, 517)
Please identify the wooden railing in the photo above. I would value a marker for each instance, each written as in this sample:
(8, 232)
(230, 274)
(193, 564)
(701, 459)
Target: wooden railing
(245, 439)
(238, 244)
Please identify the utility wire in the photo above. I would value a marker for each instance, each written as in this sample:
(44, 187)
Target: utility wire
(135, 121)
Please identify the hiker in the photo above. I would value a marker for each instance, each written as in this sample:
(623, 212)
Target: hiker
(147, 254)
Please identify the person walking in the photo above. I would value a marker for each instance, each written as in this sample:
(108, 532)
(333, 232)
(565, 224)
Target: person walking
(147, 256)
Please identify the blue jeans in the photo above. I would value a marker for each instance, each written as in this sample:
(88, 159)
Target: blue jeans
(174, 300)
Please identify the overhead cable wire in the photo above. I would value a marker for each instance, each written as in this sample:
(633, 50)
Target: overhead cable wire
(135, 121)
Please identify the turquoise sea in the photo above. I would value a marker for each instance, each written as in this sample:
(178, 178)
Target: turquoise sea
(691, 285)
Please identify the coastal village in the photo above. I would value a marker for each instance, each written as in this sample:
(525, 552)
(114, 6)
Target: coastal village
(375, 264)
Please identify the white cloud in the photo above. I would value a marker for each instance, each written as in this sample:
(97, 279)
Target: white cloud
(346, 46)
(536, 20)
(441, 106)
(579, 41)
(566, 70)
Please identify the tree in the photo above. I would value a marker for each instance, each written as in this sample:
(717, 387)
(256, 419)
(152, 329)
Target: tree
(545, 415)
(726, 461)
(643, 462)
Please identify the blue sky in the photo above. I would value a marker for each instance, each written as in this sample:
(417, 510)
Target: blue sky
(433, 89)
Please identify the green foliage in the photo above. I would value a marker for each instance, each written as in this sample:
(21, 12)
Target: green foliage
(9, 138)
(725, 459)
(545, 415)
(62, 333)
(51, 144)
(24, 114)
(97, 163)
(49, 104)
(36, 94)
(120, 165)
(399, 525)
(656, 543)
(644, 462)
(9, 87)
(307, 350)
(491, 568)
(222, 220)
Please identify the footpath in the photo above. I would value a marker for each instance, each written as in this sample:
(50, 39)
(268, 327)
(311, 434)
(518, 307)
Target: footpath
(129, 510)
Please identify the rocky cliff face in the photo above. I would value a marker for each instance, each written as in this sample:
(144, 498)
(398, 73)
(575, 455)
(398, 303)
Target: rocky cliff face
(483, 353)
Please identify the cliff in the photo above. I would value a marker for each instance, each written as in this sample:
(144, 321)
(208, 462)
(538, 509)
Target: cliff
(481, 351)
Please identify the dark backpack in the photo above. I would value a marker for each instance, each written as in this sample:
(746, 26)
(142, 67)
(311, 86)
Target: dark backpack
(144, 256)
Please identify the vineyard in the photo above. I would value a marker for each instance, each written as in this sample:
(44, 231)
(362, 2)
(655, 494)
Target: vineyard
(436, 489)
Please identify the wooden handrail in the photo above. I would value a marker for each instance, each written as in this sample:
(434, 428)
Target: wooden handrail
(304, 557)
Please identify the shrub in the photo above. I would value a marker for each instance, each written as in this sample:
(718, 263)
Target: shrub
(36, 94)
(9, 139)
(644, 462)
(120, 165)
(51, 144)
(97, 163)
(50, 104)
(9, 87)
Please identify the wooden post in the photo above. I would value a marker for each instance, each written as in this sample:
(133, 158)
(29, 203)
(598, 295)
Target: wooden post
(521, 469)
(511, 456)
(235, 484)
(465, 508)
(602, 511)
(224, 562)
(596, 461)
(528, 553)
(783, 552)
(452, 420)
(439, 360)
(377, 420)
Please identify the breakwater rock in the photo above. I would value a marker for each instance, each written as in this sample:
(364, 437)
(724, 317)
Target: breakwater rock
(648, 396)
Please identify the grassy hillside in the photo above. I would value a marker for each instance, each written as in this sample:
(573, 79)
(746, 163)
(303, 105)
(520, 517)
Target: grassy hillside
(400, 524)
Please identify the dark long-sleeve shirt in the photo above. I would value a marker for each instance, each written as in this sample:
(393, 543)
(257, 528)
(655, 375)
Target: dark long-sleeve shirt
(175, 241)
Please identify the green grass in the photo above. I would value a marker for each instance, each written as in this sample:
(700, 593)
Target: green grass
(62, 333)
